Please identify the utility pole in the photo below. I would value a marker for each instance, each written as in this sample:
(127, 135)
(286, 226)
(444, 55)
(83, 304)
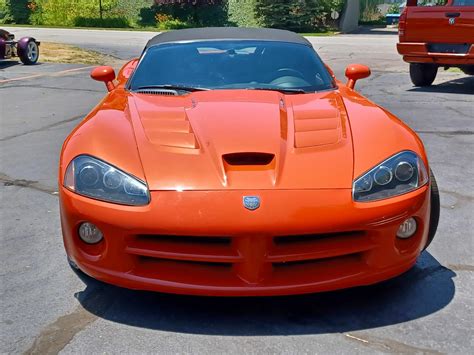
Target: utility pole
(100, 9)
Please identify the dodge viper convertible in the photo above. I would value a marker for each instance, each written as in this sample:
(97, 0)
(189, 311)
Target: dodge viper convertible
(231, 162)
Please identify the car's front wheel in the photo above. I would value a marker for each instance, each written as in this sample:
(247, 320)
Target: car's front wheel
(422, 74)
(30, 54)
(434, 210)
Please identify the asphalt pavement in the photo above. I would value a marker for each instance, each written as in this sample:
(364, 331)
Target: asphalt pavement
(46, 308)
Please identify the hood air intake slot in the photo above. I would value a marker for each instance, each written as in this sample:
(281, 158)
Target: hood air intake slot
(248, 158)
(162, 92)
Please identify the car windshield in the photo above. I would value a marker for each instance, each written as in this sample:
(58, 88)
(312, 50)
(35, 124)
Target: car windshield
(220, 65)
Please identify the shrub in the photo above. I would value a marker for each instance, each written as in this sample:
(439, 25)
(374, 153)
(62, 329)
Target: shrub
(394, 9)
(108, 22)
(131, 10)
(242, 13)
(199, 13)
(3, 11)
(167, 22)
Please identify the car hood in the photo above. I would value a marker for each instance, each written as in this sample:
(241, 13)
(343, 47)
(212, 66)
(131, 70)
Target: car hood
(243, 139)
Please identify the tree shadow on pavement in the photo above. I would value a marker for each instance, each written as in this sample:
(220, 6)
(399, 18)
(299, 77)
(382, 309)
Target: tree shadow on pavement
(464, 85)
(376, 30)
(425, 289)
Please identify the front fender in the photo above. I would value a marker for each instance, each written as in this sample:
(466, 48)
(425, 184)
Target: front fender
(22, 45)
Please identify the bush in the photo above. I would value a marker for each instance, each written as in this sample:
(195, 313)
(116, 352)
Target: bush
(3, 11)
(394, 9)
(108, 22)
(79, 13)
(198, 13)
(242, 13)
(131, 10)
(167, 22)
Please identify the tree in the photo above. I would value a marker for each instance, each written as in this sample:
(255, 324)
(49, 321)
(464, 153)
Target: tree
(288, 14)
(16, 11)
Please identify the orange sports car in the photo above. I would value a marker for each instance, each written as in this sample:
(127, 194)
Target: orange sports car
(228, 162)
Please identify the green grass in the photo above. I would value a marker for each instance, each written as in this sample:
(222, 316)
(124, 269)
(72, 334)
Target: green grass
(320, 34)
(454, 70)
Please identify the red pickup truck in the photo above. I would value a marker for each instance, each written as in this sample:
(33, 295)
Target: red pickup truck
(437, 36)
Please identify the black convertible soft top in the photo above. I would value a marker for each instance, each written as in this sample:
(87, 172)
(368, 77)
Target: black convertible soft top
(227, 33)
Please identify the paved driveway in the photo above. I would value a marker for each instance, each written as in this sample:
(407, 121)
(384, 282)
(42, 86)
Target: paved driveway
(45, 307)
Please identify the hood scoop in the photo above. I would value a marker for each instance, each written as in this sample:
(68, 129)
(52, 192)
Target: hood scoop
(246, 159)
(161, 92)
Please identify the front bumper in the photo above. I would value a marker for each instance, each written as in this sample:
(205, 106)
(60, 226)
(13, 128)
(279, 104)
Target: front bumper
(419, 53)
(207, 243)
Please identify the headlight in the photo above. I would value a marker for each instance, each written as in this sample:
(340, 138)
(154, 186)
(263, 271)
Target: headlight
(94, 178)
(402, 173)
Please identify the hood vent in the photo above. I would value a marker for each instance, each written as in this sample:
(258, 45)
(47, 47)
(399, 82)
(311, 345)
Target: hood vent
(162, 92)
(248, 158)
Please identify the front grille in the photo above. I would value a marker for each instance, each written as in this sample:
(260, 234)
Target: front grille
(226, 260)
(185, 248)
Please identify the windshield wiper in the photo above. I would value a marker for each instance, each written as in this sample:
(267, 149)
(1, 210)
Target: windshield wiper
(282, 90)
(172, 87)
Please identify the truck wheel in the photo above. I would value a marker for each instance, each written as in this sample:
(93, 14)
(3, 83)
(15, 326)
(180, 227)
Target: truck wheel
(30, 53)
(468, 69)
(434, 211)
(423, 74)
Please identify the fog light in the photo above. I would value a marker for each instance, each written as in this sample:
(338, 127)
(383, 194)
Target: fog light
(90, 233)
(407, 229)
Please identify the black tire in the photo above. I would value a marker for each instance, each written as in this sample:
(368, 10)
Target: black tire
(30, 54)
(73, 265)
(468, 69)
(434, 211)
(423, 74)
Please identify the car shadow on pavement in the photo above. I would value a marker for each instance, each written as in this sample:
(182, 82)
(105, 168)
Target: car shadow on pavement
(4, 64)
(464, 85)
(425, 289)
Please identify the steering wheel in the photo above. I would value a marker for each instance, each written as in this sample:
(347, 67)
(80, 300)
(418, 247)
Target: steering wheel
(289, 72)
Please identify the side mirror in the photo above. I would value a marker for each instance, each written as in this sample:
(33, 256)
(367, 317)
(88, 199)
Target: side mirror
(105, 74)
(355, 72)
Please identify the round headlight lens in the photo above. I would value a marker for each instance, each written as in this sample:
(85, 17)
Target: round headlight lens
(404, 171)
(112, 179)
(89, 175)
(383, 176)
(90, 233)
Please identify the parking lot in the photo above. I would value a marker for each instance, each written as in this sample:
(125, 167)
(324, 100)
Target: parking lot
(46, 308)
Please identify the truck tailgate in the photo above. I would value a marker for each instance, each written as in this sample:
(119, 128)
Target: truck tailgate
(440, 24)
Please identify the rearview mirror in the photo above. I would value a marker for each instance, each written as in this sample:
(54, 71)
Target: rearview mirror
(105, 74)
(355, 72)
